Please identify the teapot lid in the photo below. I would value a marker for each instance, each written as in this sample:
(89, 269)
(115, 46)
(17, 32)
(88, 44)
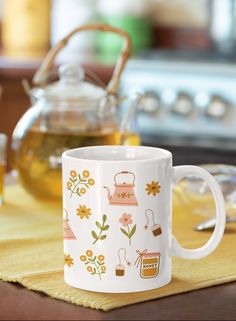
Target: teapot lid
(70, 87)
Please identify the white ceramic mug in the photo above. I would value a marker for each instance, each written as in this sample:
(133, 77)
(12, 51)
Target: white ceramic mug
(118, 217)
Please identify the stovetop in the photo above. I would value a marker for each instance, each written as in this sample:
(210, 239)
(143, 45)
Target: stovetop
(188, 96)
(186, 154)
(187, 55)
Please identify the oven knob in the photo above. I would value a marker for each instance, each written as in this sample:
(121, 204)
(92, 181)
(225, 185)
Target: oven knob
(217, 107)
(183, 105)
(150, 103)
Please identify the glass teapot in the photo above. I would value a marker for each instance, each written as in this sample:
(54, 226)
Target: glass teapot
(66, 114)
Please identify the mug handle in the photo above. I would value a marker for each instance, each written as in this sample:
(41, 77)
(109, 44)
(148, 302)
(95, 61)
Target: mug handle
(177, 250)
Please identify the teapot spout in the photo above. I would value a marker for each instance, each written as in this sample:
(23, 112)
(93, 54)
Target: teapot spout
(108, 193)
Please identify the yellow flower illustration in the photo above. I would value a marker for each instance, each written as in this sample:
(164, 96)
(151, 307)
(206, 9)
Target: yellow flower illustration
(91, 182)
(69, 184)
(86, 174)
(95, 265)
(83, 258)
(103, 269)
(83, 212)
(89, 253)
(73, 173)
(89, 269)
(68, 260)
(79, 183)
(83, 190)
(153, 188)
(101, 258)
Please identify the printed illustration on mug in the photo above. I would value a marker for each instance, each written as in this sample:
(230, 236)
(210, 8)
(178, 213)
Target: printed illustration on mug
(153, 188)
(95, 264)
(128, 230)
(123, 193)
(78, 184)
(148, 263)
(68, 260)
(155, 228)
(68, 233)
(120, 268)
(102, 227)
(83, 212)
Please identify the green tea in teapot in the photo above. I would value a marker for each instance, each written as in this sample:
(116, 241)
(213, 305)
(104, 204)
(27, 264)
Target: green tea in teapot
(38, 158)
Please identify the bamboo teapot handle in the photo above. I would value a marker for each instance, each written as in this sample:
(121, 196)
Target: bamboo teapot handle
(112, 88)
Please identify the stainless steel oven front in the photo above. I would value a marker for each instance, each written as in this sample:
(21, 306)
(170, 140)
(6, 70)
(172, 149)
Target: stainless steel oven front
(188, 100)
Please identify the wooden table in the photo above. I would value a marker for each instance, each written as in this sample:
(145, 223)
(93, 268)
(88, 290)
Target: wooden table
(215, 303)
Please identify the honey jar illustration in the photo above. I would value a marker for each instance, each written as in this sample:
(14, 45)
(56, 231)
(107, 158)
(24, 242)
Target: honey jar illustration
(155, 228)
(120, 268)
(149, 264)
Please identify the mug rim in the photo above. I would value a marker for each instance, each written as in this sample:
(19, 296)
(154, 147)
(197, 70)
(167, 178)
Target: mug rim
(158, 154)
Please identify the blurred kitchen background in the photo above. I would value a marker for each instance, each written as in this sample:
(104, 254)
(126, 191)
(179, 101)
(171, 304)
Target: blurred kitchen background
(184, 61)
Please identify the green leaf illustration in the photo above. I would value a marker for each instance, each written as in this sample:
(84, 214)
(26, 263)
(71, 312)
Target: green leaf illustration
(102, 227)
(94, 235)
(90, 260)
(99, 225)
(124, 232)
(133, 231)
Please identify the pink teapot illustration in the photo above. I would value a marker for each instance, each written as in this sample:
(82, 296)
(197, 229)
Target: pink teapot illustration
(124, 192)
(68, 233)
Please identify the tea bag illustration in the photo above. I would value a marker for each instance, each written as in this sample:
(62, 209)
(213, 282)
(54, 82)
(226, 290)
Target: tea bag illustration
(149, 264)
(124, 190)
(120, 269)
(68, 233)
(156, 228)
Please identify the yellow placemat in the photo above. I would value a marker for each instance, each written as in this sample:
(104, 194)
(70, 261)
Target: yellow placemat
(31, 253)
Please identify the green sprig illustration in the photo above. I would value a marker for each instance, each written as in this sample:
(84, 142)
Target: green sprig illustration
(102, 228)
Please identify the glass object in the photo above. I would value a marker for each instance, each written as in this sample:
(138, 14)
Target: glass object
(192, 190)
(66, 114)
(23, 33)
(3, 159)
